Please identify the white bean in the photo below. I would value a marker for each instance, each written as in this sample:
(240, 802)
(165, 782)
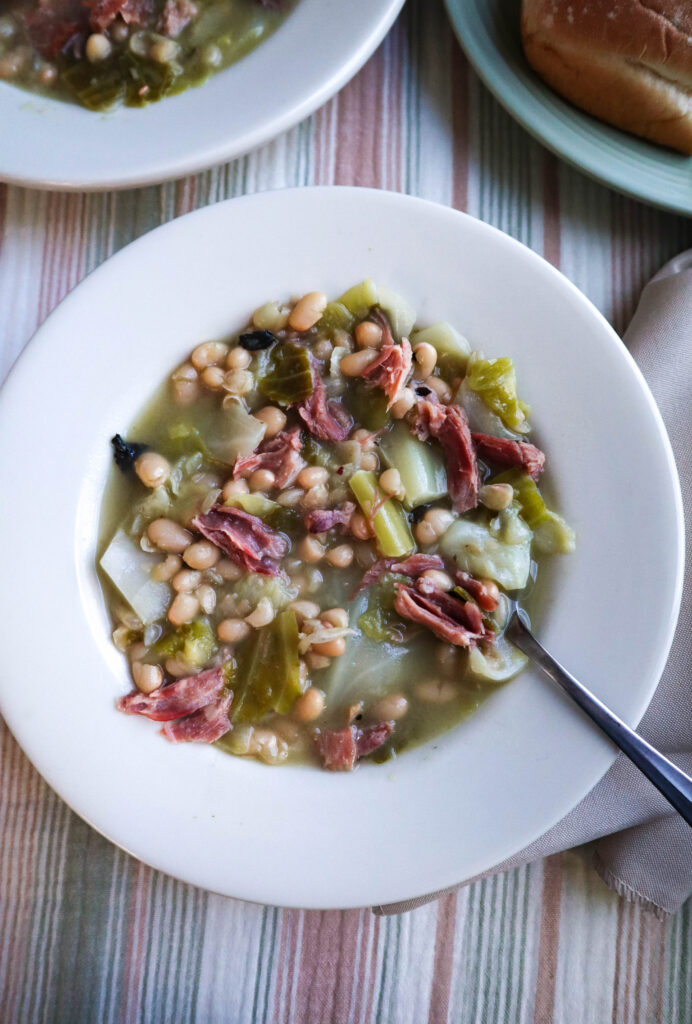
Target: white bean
(230, 631)
(152, 469)
(426, 359)
(310, 549)
(312, 475)
(309, 706)
(201, 555)
(147, 677)
(238, 358)
(435, 691)
(354, 363)
(368, 335)
(340, 556)
(209, 353)
(262, 615)
(97, 48)
(168, 535)
(307, 311)
(403, 404)
(390, 708)
(273, 418)
(496, 496)
(183, 609)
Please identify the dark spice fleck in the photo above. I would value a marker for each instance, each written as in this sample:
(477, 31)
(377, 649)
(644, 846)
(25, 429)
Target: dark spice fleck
(340, 471)
(254, 341)
(423, 391)
(126, 453)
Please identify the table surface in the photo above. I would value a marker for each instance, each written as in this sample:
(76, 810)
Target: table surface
(89, 934)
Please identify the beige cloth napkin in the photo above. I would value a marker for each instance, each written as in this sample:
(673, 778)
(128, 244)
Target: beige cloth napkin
(644, 849)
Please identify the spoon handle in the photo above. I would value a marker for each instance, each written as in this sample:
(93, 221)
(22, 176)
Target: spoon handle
(675, 785)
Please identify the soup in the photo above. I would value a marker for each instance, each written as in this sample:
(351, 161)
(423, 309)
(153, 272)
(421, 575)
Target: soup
(314, 530)
(133, 52)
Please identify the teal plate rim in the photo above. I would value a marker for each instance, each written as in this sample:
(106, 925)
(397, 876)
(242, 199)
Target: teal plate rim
(488, 32)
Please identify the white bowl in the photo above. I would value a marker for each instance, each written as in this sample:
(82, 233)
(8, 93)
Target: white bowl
(47, 143)
(447, 810)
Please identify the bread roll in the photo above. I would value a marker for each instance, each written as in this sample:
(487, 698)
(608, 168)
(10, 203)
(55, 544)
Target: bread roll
(628, 62)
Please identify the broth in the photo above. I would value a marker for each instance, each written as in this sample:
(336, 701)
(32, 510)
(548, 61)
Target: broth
(385, 667)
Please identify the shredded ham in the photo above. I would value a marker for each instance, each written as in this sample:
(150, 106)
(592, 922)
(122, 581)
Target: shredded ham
(55, 24)
(327, 420)
(177, 15)
(133, 12)
(340, 749)
(392, 364)
(176, 700)
(320, 520)
(372, 737)
(501, 451)
(207, 725)
(449, 425)
(450, 618)
(483, 592)
(280, 454)
(413, 566)
(244, 538)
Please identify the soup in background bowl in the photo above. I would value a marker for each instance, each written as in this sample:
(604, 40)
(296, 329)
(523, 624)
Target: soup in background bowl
(130, 52)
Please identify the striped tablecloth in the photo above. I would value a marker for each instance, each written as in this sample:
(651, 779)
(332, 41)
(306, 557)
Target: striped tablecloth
(89, 935)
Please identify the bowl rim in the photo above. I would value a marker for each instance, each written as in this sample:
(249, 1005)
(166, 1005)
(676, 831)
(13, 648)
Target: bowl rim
(323, 196)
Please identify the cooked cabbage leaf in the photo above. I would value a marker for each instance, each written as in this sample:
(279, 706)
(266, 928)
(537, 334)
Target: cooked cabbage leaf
(500, 551)
(288, 378)
(495, 381)
(551, 534)
(269, 679)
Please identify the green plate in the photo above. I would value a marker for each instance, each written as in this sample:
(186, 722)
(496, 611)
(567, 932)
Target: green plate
(488, 31)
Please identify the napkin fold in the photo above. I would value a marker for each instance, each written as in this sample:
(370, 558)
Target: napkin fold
(643, 849)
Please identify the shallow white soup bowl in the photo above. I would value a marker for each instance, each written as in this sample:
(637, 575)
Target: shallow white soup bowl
(444, 811)
(47, 143)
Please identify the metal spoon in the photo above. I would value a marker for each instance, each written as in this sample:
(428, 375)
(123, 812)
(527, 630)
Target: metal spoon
(675, 785)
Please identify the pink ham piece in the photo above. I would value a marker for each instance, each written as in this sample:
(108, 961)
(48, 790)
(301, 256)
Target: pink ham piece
(392, 364)
(280, 454)
(483, 592)
(500, 451)
(176, 700)
(326, 420)
(340, 749)
(337, 748)
(244, 538)
(320, 520)
(448, 424)
(133, 12)
(54, 24)
(413, 566)
(207, 725)
(450, 618)
(372, 737)
(177, 15)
